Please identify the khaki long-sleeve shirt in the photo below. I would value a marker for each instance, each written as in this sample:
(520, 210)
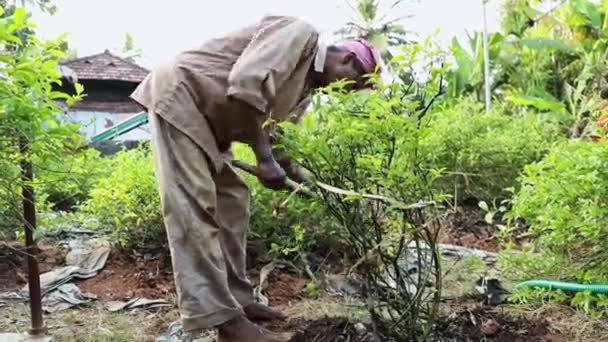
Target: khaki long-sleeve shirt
(222, 91)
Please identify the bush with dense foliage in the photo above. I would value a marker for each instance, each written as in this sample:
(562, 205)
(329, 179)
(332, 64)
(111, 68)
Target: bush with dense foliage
(285, 223)
(127, 202)
(65, 183)
(482, 154)
(10, 206)
(62, 184)
(368, 145)
(563, 200)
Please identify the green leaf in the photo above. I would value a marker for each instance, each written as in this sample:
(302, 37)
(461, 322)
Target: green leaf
(463, 59)
(52, 125)
(49, 65)
(542, 43)
(538, 103)
(19, 16)
(489, 217)
(483, 205)
(14, 39)
(57, 95)
(590, 11)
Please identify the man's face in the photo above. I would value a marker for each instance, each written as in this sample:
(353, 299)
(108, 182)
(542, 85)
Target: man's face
(341, 66)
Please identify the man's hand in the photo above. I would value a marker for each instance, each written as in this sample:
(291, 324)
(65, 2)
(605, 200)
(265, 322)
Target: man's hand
(293, 171)
(271, 174)
(297, 174)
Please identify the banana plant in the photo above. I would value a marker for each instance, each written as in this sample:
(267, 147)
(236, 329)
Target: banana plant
(575, 36)
(467, 75)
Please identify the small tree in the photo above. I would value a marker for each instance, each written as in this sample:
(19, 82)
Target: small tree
(29, 115)
(29, 126)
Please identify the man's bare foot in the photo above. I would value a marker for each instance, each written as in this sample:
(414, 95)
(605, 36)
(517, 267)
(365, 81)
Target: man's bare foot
(258, 312)
(241, 329)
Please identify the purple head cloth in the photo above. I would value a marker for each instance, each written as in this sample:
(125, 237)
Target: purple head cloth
(366, 54)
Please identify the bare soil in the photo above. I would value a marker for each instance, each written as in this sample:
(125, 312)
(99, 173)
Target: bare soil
(13, 263)
(465, 226)
(318, 320)
(326, 329)
(470, 325)
(479, 323)
(285, 288)
(125, 277)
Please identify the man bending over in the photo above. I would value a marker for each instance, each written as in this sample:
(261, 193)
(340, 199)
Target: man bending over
(208, 98)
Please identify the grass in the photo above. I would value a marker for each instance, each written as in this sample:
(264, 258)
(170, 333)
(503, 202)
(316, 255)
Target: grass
(577, 325)
(92, 324)
(95, 323)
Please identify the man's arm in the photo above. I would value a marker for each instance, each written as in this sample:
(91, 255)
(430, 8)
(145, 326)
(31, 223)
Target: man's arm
(293, 171)
(263, 67)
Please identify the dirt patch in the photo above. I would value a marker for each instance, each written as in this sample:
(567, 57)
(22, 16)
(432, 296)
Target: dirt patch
(466, 226)
(284, 288)
(480, 323)
(125, 277)
(326, 330)
(13, 262)
(128, 277)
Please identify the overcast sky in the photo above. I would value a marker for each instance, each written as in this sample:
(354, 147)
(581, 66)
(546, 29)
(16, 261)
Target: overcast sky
(162, 30)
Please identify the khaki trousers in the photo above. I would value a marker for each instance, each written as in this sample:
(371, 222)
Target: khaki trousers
(206, 216)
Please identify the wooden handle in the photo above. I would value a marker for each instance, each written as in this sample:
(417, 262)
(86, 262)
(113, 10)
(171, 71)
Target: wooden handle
(289, 184)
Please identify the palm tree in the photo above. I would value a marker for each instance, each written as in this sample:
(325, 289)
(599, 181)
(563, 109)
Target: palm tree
(129, 50)
(380, 29)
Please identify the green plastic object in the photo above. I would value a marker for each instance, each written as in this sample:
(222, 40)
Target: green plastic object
(567, 287)
(122, 128)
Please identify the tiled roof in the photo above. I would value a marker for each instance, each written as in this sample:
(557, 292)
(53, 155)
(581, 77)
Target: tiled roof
(106, 66)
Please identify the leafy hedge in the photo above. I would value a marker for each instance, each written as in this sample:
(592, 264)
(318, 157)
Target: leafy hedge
(10, 206)
(29, 126)
(564, 201)
(64, 183)
(127, 202)
(285, 224)
(482, 154)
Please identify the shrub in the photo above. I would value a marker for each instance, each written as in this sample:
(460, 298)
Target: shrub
(64, 182)
(482, 154)
(370, 144)
(563, 199)
(286, 225)
(127, 204)
(127, 201)
(10, 202)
